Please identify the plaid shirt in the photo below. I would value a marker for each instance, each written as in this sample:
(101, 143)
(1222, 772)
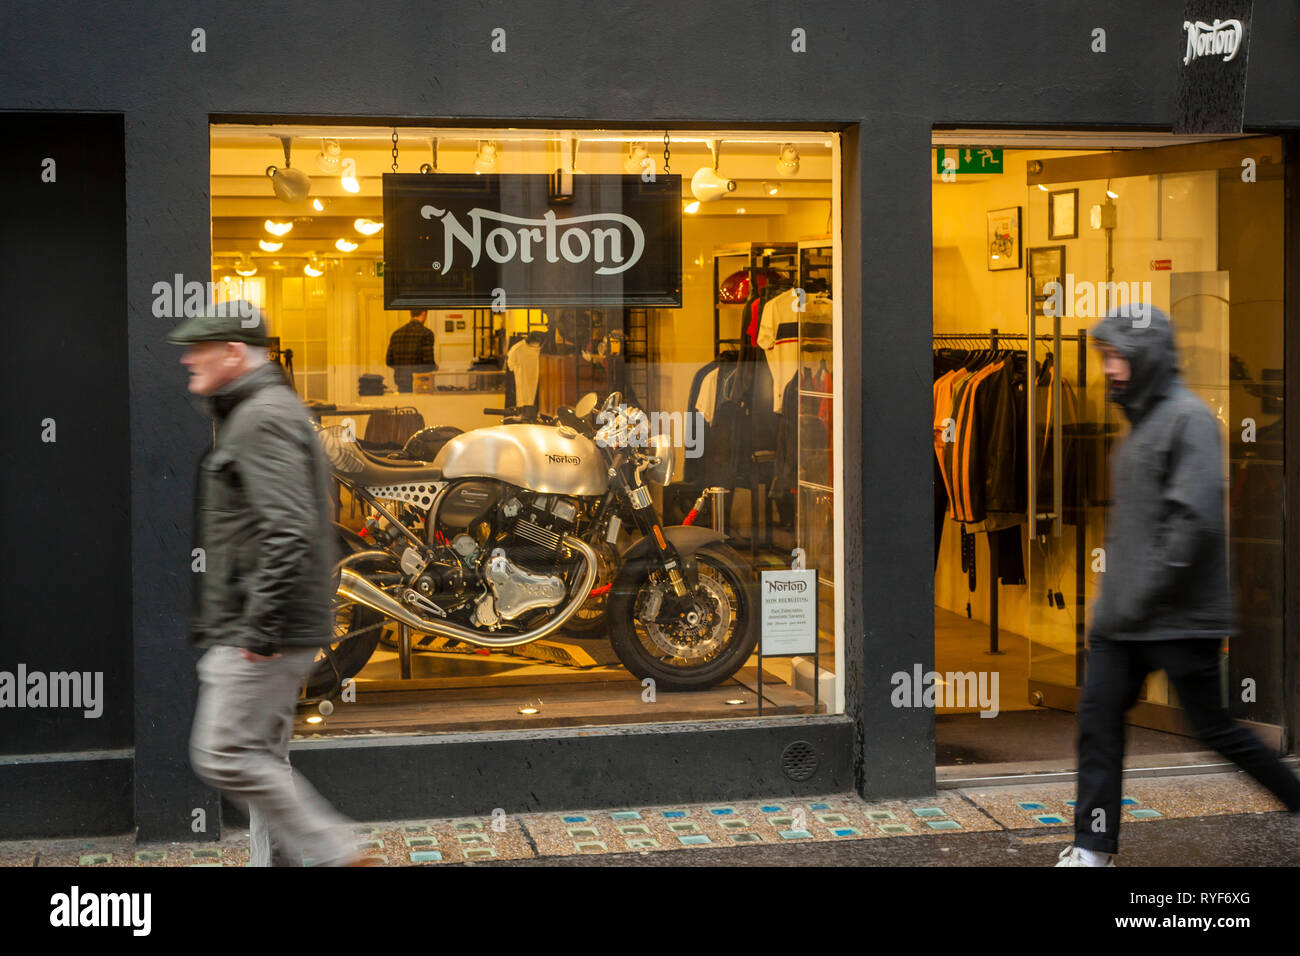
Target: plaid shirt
(410, 350)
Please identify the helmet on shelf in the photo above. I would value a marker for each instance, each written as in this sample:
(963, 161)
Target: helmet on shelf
(735, 287)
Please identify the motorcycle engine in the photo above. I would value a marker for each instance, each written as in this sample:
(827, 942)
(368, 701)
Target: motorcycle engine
(510, 541)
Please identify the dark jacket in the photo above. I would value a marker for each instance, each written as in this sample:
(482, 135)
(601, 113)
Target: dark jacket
(263, 519)
(1166, 551)
(410, 350)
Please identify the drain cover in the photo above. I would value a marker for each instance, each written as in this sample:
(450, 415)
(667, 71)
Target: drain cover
(799, 760)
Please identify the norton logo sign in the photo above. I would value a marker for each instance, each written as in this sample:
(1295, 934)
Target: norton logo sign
(524, 240)
(798, 587)
(1221, 38)
(565, 459)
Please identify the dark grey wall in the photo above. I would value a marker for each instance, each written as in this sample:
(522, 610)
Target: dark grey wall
(895, 68)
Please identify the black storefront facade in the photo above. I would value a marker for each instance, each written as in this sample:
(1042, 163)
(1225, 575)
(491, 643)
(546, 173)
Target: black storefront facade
(75, 82)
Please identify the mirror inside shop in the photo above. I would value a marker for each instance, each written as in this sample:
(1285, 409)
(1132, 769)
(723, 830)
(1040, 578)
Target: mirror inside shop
(1036, 236)
(580, 467)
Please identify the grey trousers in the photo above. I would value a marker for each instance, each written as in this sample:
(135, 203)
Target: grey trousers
(240, 745)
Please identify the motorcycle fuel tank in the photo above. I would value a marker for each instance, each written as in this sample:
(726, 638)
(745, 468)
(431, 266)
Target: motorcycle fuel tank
(536, 457)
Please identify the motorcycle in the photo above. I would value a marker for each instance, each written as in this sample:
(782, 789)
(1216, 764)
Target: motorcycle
(509, 535)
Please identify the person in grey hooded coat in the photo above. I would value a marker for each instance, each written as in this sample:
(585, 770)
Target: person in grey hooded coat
(1165, 601)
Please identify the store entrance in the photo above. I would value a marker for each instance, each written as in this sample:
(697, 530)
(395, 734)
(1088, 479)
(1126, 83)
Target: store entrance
(1037, 236)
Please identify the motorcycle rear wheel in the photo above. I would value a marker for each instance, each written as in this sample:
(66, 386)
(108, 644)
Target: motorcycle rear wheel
(356, 629)
(727, 585)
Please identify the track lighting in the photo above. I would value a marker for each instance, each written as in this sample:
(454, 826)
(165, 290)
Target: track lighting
(327, 160)
(706, 184)
(290, 185)
(787, 164)
(638, 160)
(349, 180)
(486, 160)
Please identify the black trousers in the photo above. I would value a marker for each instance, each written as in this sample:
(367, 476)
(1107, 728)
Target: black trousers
(1115, 673)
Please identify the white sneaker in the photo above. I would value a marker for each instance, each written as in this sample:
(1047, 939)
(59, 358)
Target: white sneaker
(1074, 856)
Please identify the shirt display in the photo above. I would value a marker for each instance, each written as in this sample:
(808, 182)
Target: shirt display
(778, 335)
(522, 360)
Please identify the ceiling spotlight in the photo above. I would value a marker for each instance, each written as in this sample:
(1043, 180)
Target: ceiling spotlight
(317, 205)
(692, 207)
(706, 184)
(787, 164)
(327, 160)
(367, 227)
(533, 706)
(638, 160)
(245, 266)
(290, 185)
(432, 167)
(1112, 194)
(314, 267)
(345, 245)
(267, 245)
(349, 180)
(741, 210)
(771, 188)
(486, 160)
(277, 228)
(733, 701)
(1042, 187)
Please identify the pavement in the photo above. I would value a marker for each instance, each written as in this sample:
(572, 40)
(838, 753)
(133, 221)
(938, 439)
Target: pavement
(1219, 819)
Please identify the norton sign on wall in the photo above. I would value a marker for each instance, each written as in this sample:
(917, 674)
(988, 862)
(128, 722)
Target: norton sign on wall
(506, 241)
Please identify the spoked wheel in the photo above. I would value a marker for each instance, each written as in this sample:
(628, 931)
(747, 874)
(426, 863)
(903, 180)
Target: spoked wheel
(706, 641)
(356, 632)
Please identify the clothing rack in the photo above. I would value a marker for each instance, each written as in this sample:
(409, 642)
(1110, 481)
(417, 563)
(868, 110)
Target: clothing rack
(994, 339)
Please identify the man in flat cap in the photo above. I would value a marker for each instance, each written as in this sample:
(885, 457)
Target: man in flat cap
(263, 604)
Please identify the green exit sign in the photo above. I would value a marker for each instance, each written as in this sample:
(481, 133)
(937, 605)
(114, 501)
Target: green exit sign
(968, 160)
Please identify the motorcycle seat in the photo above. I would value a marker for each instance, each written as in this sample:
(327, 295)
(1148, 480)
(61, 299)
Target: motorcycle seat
(380, 470)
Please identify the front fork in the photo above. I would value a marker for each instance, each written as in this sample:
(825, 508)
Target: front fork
(647, 520)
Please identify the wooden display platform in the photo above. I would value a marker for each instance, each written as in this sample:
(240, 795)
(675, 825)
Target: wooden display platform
(456, 704)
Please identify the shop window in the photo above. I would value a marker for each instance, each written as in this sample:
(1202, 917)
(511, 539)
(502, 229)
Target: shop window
(683, 329)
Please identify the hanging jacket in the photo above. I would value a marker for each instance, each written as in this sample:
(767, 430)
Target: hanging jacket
(1166, 552)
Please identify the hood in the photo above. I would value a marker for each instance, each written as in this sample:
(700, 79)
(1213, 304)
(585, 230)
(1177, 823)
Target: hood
(1148, 345)
(223, 401)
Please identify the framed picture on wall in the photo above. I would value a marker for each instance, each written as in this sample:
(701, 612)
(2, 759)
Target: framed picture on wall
(1046, 264)
(1063, 214)
(1004, 239)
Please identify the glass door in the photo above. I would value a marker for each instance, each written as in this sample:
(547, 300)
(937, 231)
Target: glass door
(1196, 231)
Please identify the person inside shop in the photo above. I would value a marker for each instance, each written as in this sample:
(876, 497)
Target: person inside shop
(410, 350)
(263, 506)
(1165, 602)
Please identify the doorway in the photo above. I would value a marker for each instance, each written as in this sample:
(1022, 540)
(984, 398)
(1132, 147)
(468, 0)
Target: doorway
(1036, 236)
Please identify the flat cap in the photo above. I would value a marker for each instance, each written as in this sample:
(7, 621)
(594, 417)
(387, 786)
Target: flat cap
(238, 320)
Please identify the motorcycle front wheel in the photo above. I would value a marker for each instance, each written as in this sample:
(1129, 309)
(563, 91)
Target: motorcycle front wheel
(680, 654)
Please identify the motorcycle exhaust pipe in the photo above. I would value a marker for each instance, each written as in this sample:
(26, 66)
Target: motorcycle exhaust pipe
(356, 588)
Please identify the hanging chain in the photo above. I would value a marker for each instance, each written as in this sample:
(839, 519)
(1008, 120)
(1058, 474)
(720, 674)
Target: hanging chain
(394, 149)
(667, 168)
